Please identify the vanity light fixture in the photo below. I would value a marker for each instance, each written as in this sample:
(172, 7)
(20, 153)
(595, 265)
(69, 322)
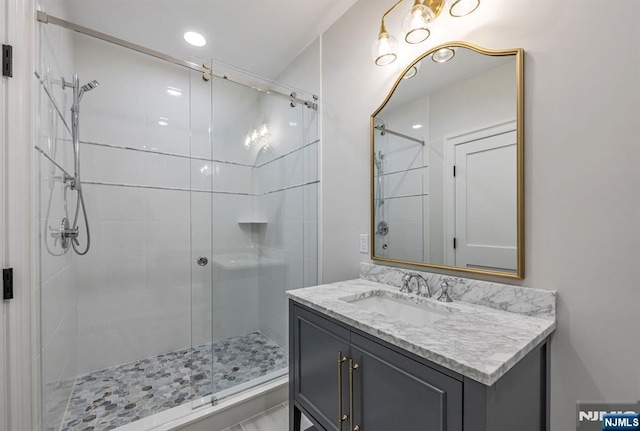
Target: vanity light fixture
(162, 121)
(415, 25)
(443, 55)
(195, 39)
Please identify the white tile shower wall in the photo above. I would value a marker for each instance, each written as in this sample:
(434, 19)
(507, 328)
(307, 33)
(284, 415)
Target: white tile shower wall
(55, 288)
(140, 111)
(137, 275)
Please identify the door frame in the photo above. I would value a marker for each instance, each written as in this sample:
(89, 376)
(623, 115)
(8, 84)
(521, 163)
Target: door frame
(4, 371)
(20, 314)
(449, 192)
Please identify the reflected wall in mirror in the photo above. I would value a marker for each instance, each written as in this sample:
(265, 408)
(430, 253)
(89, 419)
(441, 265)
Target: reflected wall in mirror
(447, 163)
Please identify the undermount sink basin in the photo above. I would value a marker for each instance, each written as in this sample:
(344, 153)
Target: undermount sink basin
(396, 308)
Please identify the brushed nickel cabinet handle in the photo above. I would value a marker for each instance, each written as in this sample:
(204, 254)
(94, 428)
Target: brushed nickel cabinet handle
(341, 417)
(352, 367)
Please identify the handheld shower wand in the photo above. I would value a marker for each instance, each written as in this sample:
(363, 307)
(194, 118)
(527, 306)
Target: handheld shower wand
(75, 183)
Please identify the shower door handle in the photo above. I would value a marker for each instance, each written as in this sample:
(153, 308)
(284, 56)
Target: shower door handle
(202, 261)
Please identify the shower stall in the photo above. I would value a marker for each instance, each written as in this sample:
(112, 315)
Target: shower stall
(176, 207)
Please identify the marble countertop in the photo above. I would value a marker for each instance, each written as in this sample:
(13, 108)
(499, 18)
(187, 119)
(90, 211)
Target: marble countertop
(478, 342)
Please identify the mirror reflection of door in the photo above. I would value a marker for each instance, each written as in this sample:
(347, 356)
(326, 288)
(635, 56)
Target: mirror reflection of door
(485, 206)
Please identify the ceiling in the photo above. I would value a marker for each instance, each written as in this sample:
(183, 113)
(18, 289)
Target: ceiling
(259, 36)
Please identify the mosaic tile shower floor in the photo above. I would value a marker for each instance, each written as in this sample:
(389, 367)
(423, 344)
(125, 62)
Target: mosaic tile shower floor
(109, 398)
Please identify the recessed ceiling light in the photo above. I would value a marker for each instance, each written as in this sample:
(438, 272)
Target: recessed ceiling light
(195, 39)
(173, 91)
(417, 126)
(163, 121)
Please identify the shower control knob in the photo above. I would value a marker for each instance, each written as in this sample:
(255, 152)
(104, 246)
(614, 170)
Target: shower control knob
(202, 261)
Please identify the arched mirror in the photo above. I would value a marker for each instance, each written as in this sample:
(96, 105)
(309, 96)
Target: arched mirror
(447, 163)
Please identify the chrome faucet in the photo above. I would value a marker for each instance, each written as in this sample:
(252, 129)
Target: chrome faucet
(444, 285)
(406, 287)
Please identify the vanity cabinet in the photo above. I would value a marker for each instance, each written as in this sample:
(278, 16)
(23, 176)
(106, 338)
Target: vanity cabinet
(382, 389)
(345, 380)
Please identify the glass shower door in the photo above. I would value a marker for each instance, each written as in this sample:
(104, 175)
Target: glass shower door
(201, 177)
(264, 227)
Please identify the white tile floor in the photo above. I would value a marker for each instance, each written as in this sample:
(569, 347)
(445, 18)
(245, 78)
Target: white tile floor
(275, 419)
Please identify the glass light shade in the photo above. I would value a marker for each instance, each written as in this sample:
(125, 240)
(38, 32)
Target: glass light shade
(461, 8)
(443, 55)
(414, 24)
(413, 71)
(384, 50)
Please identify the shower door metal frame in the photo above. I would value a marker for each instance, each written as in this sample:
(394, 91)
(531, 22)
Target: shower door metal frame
(45, 18)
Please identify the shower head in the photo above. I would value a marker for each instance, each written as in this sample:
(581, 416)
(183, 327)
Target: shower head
(87, 87)
(90, 85)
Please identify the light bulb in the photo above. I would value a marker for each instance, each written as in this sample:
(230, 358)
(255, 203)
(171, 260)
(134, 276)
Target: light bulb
(443, 55)
(384, 49)
(414, 24)
(461, 8)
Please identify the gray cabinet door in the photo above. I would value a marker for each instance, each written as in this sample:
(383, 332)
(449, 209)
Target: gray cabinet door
(393, 392)
(316, 343)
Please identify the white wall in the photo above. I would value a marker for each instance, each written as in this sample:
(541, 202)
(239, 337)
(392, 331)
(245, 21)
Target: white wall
(581, 170)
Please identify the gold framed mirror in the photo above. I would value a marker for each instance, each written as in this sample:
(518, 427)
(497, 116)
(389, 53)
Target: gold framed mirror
(447, 163)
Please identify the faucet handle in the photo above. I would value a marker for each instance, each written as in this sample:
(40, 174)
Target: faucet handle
(405, 283)
(444, 294)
